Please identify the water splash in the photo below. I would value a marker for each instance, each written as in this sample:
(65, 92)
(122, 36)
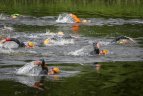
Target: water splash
(29, 69)
(84, 51)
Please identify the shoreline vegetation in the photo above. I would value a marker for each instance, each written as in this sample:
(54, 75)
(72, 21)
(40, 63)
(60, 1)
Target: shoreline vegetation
(83, 8)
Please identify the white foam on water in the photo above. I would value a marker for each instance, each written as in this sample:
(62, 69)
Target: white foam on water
(81, 52)
(64, 41)
(61, 42)
(10, 45)
(6, 51)
(65, 18)
(29, 69)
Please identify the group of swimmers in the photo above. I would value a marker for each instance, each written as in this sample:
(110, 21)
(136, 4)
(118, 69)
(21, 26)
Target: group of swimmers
(55, 37)
(30, 44)
(55, 70)
(67, 18)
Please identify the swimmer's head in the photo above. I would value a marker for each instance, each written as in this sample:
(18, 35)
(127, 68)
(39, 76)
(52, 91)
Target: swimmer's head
(30, 44)
(47, 41)
(104, 52)
(56, 70)
(61, 33)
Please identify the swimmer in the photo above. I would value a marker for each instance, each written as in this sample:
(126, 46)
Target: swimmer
(96, 47)
(14, 16)
(44, 67)
(46, 41)
(62, 35)
(29, 44)
(41, 62)
(57, 37)
(70, 18)
(54, 70)
(122, 40)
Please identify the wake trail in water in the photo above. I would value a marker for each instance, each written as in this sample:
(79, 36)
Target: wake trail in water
(84, 51)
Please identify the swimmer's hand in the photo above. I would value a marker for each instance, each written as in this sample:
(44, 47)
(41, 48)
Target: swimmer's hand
(37, 63)
(50, 72)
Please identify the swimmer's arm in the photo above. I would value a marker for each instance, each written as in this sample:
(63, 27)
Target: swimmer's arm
(2, 41)
(132, 40)
(35, 63)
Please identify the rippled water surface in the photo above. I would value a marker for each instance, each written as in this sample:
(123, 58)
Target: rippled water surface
(79, 76)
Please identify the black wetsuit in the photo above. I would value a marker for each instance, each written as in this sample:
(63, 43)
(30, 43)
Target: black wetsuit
(96, 50)
(21, 44)
(44, 68)
(119, 38)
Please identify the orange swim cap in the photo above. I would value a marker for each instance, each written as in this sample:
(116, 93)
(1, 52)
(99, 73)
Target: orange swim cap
(56, 70)
(77, 20)
(105, 52)
(30, 44)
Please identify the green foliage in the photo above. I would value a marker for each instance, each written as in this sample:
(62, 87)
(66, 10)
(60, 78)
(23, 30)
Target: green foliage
(83, 8)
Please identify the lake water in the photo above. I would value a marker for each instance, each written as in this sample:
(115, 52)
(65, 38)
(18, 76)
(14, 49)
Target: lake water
(118, 73)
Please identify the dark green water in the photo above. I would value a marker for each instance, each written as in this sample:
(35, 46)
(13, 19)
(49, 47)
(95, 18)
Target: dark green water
(133, 31)
(83, 8)
(112, 79)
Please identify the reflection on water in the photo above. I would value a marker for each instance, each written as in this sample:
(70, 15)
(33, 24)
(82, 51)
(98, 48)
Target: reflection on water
(114, 79)
(85, 80)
